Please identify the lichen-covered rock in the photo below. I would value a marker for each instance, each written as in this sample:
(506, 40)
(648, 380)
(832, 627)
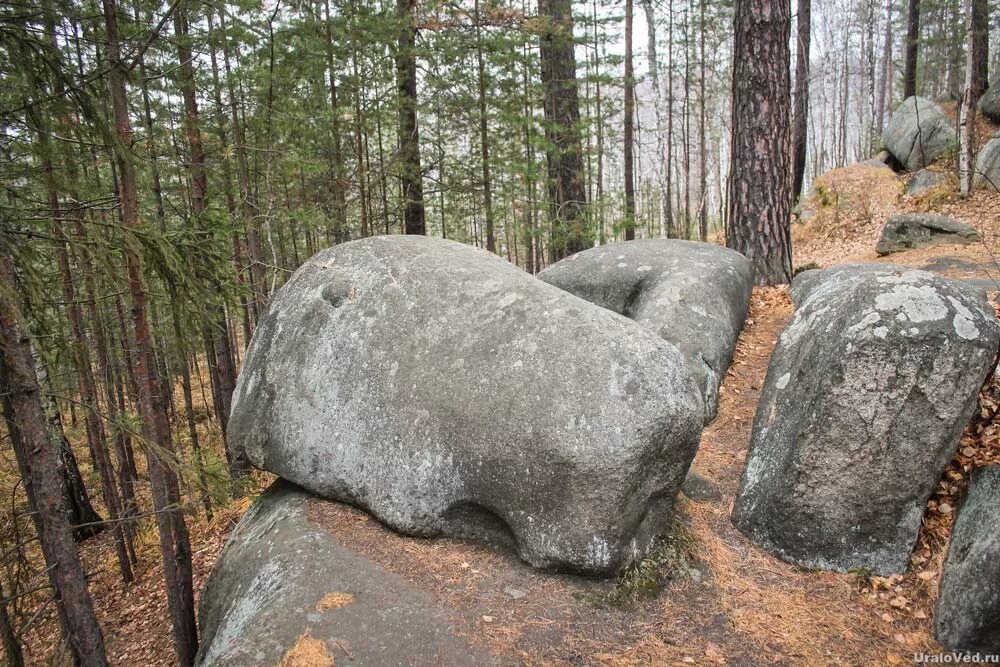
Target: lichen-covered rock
(924, 181)
(968, 610)
(695, 295)
(906, 231)
(918, 133)
(987, 174)
(284, 585)
(866, 396)
(447, 392)
(989, 103)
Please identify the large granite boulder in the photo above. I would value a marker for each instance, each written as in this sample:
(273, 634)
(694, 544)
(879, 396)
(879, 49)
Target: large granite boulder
(694, 295)
(866, 396)
(987, 175)
(925, 181)
(989, 103)
(968, 610)
(918, 133)
(285, 588)
(906, 231)
(447, 392)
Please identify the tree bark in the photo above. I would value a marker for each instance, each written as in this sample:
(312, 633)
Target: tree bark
(629, 128)
(38, 455)
(410, 172)
(175, 548)
(564, 144)
(800, 113)
(759, 181)
(912, 49)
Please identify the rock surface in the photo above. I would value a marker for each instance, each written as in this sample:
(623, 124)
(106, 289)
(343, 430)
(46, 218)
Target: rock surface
(906, 231)
(987, 174)
(924, 181)
(918, 133)
(989, 103)
(283, 584)
(447, 392)
(694, 295)
(866, 396)
(968, 610)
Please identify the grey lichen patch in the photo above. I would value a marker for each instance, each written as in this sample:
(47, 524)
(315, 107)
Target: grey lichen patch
(918, 304)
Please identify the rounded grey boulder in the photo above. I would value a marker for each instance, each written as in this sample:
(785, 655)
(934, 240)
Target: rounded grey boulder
(694, 295)
(866, 396)
(918, 133)
(924, 181)
(447, 392)
(987, 174)
(989, 103)
(906, 231)
(968, 610)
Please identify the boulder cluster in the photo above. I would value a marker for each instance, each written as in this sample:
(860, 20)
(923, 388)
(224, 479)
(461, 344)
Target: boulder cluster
(447, 393)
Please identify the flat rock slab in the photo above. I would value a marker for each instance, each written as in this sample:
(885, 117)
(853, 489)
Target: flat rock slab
(918, 133)
(866, 396)
(285, 589)
(694, 295)
(906, 231)
(446, 392)
(968, 610)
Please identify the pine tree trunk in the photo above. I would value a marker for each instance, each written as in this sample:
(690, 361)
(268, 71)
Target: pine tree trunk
(886, 70)
(803, 26)
(175, 548)
(759, 180)
(410, 172)
(980, 47)
(912, 49)
(564, 145)
(38, 455)
(628, 133)
(484, 139)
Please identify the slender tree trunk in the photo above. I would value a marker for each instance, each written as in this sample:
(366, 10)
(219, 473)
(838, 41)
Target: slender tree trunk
(668, 181)
(410, 172)
(484, 139)
(174, 544)
(980, 47)
(38, 455)
(629, 129)
(800, 113)
(654, 79)
(340, 231)
(967, 111)
(564, 145)
(759, 180)
(912, 49)
(886, 81)
(11, 646)
(702, 147)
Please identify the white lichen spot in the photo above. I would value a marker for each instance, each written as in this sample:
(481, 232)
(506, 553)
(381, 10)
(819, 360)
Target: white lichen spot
(963, 322)
(783, 381)
(918, 304)
(644, 268)
(622, 265)
(598, 552)
(869, 319)
(880, 332)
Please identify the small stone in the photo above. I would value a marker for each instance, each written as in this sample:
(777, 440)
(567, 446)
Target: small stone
(514, 593)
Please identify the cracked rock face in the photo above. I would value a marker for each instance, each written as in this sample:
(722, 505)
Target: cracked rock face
(447, 392)
(987, 174)
(283, 582)
(866, 396)
(918, 133)
(968, 610)
(906, 231)
(694, 295)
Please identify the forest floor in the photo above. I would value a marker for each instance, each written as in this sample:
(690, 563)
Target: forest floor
(708, 596)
